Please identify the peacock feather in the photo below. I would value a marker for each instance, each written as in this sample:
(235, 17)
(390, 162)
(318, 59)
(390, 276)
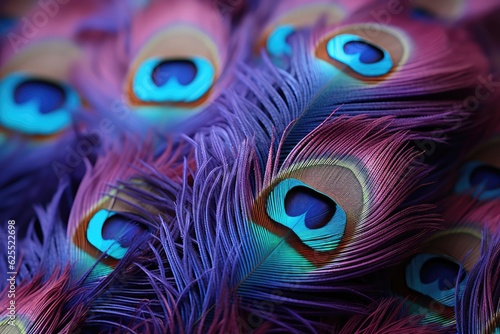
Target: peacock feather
(248, 166)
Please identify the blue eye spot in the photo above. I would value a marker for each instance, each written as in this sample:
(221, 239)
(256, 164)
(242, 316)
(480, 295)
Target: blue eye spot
(6, 24)
(369, 54)
(313, 216)
(442, 270)
(173, 80)
(183, 70)
(277, 43)
(423, 14)
(435, 276)
(48, 95)
(36, 106)
(479, 180)
(318, 208)
(112, 233)
(488, 177)
(361, 56)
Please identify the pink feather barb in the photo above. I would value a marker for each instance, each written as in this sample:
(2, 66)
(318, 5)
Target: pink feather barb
(478, 309)
(476, 189)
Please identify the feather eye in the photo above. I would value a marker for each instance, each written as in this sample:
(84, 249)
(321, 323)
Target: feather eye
(451, 11)
(178, 59)
(296, 16)
(363, 56)
(387, 316)
(38, 76)
(45, 294)
(303, 230)
(446, 10)
(39, 122)
(431, 278)
(112, 232)
(36, 106)
(480, 175)
(477, 188)
(37, 99)
(38, 295)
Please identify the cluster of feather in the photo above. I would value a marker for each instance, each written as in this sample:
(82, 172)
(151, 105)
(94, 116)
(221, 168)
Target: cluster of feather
(218, 166)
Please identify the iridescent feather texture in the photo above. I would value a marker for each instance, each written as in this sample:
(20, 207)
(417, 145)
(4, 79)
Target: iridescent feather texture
(47, 299)
(44, 120)
(478, 309)
(199, 268)
(250, 166)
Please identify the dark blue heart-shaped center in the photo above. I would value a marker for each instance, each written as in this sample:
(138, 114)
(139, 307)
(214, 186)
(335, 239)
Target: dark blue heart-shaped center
(48, 95)
(122, 229)
(486, 177)
(184, 70)
(6, 24)
(319, 209)
(442, 270)
(369, 54)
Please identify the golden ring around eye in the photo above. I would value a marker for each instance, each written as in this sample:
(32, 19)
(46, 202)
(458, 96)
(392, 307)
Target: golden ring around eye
(336, 183)
(488, 152)
(175, 43)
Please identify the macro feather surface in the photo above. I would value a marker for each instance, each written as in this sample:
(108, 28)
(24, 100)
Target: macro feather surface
(247, 166)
